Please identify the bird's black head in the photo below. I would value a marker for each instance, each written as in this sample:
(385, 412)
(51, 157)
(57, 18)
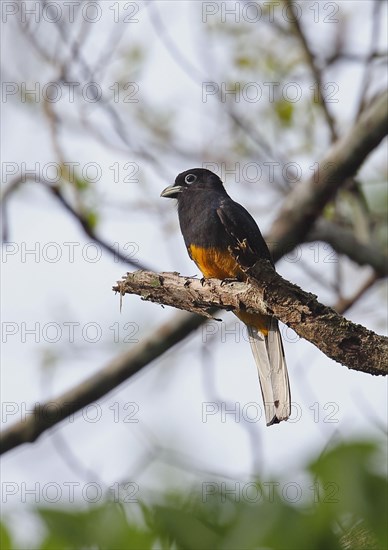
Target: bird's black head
(193, 179)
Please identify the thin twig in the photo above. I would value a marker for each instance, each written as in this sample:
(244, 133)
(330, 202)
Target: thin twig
(315, 70)
(78, 216)
(304, 203)
(343, 304)
(373, 48)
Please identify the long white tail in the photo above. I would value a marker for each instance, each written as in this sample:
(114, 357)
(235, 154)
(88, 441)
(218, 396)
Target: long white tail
(272, 369)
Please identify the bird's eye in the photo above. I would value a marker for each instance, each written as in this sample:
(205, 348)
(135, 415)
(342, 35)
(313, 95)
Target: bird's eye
(190, 178)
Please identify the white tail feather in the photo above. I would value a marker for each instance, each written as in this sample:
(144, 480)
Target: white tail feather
(272, 369)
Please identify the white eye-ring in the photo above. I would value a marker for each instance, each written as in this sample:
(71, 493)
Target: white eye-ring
(190, 178)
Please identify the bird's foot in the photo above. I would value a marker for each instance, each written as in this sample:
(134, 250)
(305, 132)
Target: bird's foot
(229, 280)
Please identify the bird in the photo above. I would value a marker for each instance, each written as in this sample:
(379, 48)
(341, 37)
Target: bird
(212, 223)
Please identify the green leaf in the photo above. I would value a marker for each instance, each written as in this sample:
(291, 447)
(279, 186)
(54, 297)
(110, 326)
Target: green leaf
(284, 110)
(245, 62)
(81, 184)
(5, 539)
(104, 526)
(185, 528)
(348, 490)
(92, 218)
(359, 491)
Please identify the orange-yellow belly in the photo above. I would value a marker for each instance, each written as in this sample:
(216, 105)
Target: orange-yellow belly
(220, 264)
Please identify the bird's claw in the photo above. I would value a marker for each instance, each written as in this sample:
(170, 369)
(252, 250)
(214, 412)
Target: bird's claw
(228, 281)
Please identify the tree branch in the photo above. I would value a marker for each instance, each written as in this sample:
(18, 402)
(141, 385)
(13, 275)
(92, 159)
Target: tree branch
(343, 241)
(268, 293)
(351, 344)
(46, 415)
(315, 70)
(305, 203)
(83, 221)
(344, 304)
(343, 341)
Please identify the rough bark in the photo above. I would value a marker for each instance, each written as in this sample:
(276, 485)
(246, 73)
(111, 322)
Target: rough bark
(267, 292)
